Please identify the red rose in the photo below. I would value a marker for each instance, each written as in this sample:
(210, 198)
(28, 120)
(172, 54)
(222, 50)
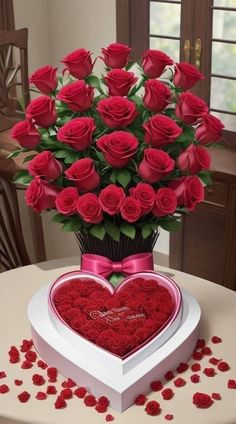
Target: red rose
(165, 202)
(116, 55)
(79, 63)
(156, 386)
(119, 82)
(202, 400)
(216, 339)
(167, 394)
(179, 382)
(83, 173)
(78, 96)
(66, 201)
(111, 199)
(118, 147)
(157, 95)
(45, 79)
(223, 366)
(140, 400)
(209, 130)
(190, 108)
(45, 165)
(155, 165)
(194, 159)
(186, 76)
(41, 195)
(152, 408)
(154, 63)
(161, 130)
(101, 407)
(145, 194)
(23, 397)
(131, 210)
(42, 110)
(189, 191)
(89, 208)
(26, 134)
(117, 111)
(77, 132)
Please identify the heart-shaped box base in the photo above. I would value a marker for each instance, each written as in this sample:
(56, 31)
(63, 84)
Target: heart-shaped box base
(120, 389)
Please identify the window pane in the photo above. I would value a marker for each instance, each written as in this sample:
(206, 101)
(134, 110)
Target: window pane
(165, 19)
(229, 121)
(225, 3)
(223, 59)
(224, 25)
(223, 94)
(170, 47)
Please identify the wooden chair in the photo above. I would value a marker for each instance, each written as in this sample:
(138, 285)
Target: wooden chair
(14, 92)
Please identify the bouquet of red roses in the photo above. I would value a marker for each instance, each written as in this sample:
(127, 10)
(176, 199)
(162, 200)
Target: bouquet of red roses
(117, 154)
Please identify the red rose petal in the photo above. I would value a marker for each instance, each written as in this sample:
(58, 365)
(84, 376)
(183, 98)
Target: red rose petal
(109, 418)
(195, 367)
(42, 364)
(60, 402)
(209, 372)
(31, 356)
(38, 380)
(51, 390)
(197, 356)
(167, 394)
(169, 376)
(140, 400)
(41, 396)
(202, 400)
(104, 400)
(4, 389)
(182, 367)
(24, 396)
(52, 374)
(206, 351)
(200, 343)
(70, 383)
(169, 417)
(216, 339)
(67, 393)
(179, 382)
(2, 374)
(18, 382)
(195, 378)
(156, 386)
(214, 361)
(26, 365)
(80, 392)
(26, 345)
(101, 407)
(231, 384)
(152, 408)
(90, 400)
(216, 396)
(223, 366)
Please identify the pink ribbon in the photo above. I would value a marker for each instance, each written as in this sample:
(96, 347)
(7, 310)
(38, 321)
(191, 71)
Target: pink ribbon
(129, 265)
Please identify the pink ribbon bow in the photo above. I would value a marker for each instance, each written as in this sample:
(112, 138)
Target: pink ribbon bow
(129, 265)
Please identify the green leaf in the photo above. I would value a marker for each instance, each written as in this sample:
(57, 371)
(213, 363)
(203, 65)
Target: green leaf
(74, 224)
(28, 158)
(60, 154)
(128, 230)
(205, 177)
(112, 230)
(113, 176)
(136, 99)
(98, 231)
(115, 279)
(71, 157)
(129, 65)
(59, 218)
(95, 82)
(146, 230)
(123, 177)
(169, 224)
(22, 177)
(14, 154)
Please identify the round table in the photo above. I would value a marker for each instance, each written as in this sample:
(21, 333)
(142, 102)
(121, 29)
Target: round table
(218, 306)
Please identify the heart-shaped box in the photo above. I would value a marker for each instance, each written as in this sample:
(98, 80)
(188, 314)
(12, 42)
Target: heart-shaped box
(116, 364)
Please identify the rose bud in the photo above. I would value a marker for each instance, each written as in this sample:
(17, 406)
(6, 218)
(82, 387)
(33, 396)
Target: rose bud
(119, 82)
(155, 165)
(145, 194)
(202, 400)
(189, 191)
(165, 202)
(157, 95)
(83, 173)
(42, 110)
(131, 209)
(194, 159)
(186, 76)
(26, 134)
(45, 79)
(78, 96)
(154, 63)
(118, 147)
(79, 63)
(77, 133)
(66, 201)
(160, 130)
(111, 199)
(190, 108)
(45, 165)
(41, 195)
(209, 130)
(117, 111)
(89, 208)
(116, 55)
(152, 408)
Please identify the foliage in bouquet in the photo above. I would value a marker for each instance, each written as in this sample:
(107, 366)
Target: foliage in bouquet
(117, 154)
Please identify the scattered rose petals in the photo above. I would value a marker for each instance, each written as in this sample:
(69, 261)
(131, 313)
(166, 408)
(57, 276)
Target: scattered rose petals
(197, 356)
(51, 390)
(169, 417)
(200, 344)
(216, 396)
(41, 396)
(202, 400)
(26, 345)
(38, 380)
(69, 383)
(52, 374)
(4, 389)
(231, 384)
(223, 366)
(182, 367)
(167, 394)
(31, 356)
(101, 407)
(109, 418)
(214, 361)
(23, 397)
(67, 393)
(140, 400)
(195, 367)
(195, 378)
(90, 400)
(60, 402)
(26, 365)
(80, 392)
(14, 355)
(209, 372)
(206, 350)
(152, 408)
(42, 364)
(216, 339)
(104, 400)
(18, 382)
(169, 376)
(179, 382)
(2, 374)
(156, 386)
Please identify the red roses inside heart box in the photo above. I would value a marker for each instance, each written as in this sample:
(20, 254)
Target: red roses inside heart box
(130, 321)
